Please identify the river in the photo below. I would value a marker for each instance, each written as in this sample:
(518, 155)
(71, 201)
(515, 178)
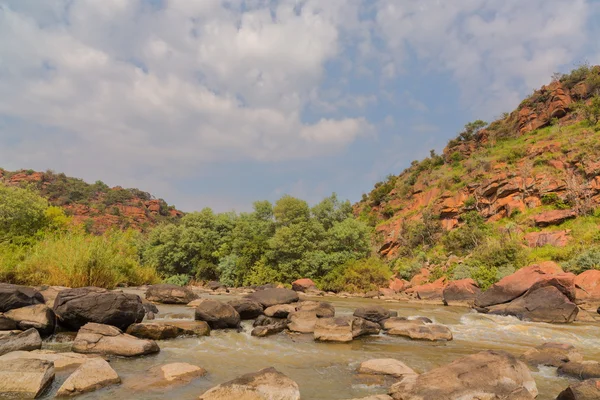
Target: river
(326, 371)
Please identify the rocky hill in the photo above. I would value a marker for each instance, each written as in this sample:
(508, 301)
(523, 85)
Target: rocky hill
(96, 206)
(528, 174)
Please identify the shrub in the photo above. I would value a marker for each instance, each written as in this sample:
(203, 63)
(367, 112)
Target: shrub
(179, 280)
(589, 259)
(357, 276)
(409, 270)
(467, 237)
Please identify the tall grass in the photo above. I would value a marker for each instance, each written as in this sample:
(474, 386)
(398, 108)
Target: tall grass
(76, 259)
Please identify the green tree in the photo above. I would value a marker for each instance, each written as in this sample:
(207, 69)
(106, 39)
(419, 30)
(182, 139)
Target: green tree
(22, 214)
(290, 210)
(331, 210)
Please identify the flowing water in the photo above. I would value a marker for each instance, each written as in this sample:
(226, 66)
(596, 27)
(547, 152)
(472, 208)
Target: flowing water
(326, 371)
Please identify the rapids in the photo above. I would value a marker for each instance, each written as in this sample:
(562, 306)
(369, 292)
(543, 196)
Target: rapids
(327, 371)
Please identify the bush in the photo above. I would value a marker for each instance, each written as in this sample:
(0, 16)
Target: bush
(409, 270)
(467, 237)
(357, 276)
(179, 280)
(589, 259)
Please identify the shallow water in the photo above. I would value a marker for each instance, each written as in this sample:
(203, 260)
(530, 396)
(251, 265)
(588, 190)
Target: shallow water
(326, 371)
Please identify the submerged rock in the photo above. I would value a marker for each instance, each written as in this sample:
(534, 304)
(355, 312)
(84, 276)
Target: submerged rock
(267, 384)
(218, 315)
(386, 366)
(170, 294)
(105, 339)
(25, 379)
(76, 307)
(28, 340)
(273, 297)
(484, 375)
(92, 375)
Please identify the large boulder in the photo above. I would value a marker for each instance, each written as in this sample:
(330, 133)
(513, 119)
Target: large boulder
(170, 294)
(218, 315)
(586, 390)
(95, 338)
(92, 375)
(553, 217)
(15, 296)
(374, 313)
(428, 291)
(280, 310)
(540, 304)
(61, 360)
(343, 329)
(25, 379)
(272, 297)
(580, 369)
(38, 316)
(551, 354)
(248, 309)
(484, 375)
(385, 366)
(154, 331)
(50, 293)
(76, 307)
(192, 328)
(302, 321)
(322, 309)
(303, 285)
(515, 285)
(417, 329)
(28, 340)
(7, 324)
(587, 286)
(462, 291)
(267, 384)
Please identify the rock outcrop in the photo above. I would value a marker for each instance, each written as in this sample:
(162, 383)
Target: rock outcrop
(459, 292)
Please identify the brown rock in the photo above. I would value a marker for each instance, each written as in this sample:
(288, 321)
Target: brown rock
(399, 285)
(554, 238)
(88, 377)
(417, 330)
(25, 379)
(280, 310)
(302, 285)
(28, 340)
(343, 329)
(38, 316)
(95, 338)
(586, 390)
(463, 291)
(170, 294)
(385, 366)
(580, 369)
(429, 291)
(551, 354)
(553, 217)
(587, 286)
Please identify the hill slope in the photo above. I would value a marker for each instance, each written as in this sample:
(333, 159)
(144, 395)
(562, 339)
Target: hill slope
(96, 206)
(525, 174)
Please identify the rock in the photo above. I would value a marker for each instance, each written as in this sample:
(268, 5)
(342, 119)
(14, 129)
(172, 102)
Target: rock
(374, 313)
(552, 238)
(544, 304)
(25, 379)
(551, 354)
(248, 309)
(280, 310)
(484, 375)
(399, 285)
(170, 294)
(15, 296)
(166, 375)
(372, 294)
(38, 316)
(303, 285)
(375, 397)
(149, 307)
(515, 285)
(272, 297)
(214, 285)
(267, 330)
(154, 331)
(95, 338)
(586, 390)
(422, 319)
(28, 340)
(429, 291)
(553, 217)
(321, 308)
(192, 328)
(61, 360)
(580, 369)
(267, 384)
(386, 366)
(76, 307)
(417, 330)
(302, 321)
(218, 315)
(343, 329)
(50, 293)
(587, 286)
(264, 320)
(92, 375)
(462, 291)
(7, 324)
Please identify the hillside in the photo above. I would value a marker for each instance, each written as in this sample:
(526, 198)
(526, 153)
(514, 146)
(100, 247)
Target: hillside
(96, 206)
(531, 177)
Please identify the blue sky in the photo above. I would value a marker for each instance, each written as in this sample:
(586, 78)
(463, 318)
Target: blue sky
(219, 103)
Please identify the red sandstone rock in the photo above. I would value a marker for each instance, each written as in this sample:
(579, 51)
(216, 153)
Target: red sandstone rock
(555, 238)
(429, 291)
(302, 285)
(460, 291)
(553, 217)
(399, 285)
(587, 285)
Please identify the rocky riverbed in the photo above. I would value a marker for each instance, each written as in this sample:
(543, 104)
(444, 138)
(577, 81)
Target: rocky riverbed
(196, 362)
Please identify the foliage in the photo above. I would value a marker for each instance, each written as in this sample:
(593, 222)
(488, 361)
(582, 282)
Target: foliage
(179, 280)
(23, 213)
(357, 276)
(589, 259)
(467, 237)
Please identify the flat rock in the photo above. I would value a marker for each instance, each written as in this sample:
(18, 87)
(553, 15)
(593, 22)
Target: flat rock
(61, 360)
(106, 339)
(374, 313)
(385, 366)
(375, 397)
(343, 329)
(154, 331)
(484, 375)
(272, 297)
(417, 330)
(170, 294)
(38, 316)
(192, 328)
(267, 384)
(322, 309)
(28, 340)
(165, 375)
(551, 354)
(302, 321)
(280, 310)
(88, 377)
(581, 369)
(25, 379)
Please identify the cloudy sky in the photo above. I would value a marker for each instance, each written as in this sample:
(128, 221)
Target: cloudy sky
(222, 102)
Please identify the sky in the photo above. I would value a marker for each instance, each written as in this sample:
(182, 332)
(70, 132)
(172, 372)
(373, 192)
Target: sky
(218, 103)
